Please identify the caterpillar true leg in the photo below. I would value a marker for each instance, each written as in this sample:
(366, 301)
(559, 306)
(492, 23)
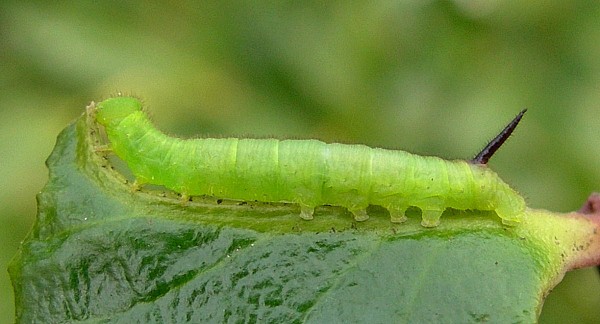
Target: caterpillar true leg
(185, 198)
(306, 212)
(103, 148)
(360, 215)
(136, 185)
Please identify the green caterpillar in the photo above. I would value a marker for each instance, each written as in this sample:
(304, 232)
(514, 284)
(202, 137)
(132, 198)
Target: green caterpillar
(310, 173)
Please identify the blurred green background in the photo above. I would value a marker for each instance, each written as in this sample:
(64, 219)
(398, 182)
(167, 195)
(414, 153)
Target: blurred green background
(431, 77)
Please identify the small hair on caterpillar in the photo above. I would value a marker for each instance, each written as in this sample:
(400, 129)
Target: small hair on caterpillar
(309, 173)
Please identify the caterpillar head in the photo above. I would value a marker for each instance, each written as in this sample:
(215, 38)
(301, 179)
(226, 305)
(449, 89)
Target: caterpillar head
(115, 109)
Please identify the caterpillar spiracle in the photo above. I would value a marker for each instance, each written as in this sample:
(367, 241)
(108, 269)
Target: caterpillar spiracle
(309, 173)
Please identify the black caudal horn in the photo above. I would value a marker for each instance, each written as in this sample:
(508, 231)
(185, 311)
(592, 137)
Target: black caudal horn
(484, 156)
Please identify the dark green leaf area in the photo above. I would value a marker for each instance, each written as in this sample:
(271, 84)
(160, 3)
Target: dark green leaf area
(108, 268)
(425, 280)
(153, 270)
(146, 269)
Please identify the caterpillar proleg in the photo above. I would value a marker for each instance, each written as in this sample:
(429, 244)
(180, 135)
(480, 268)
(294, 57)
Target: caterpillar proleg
(309, 173)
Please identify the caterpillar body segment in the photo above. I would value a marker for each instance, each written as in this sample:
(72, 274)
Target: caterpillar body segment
(310, 173)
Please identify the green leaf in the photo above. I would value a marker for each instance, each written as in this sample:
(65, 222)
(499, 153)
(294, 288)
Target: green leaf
(102, 252)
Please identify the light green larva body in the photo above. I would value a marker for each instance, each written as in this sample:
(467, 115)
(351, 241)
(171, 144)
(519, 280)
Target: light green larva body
(307, 172)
